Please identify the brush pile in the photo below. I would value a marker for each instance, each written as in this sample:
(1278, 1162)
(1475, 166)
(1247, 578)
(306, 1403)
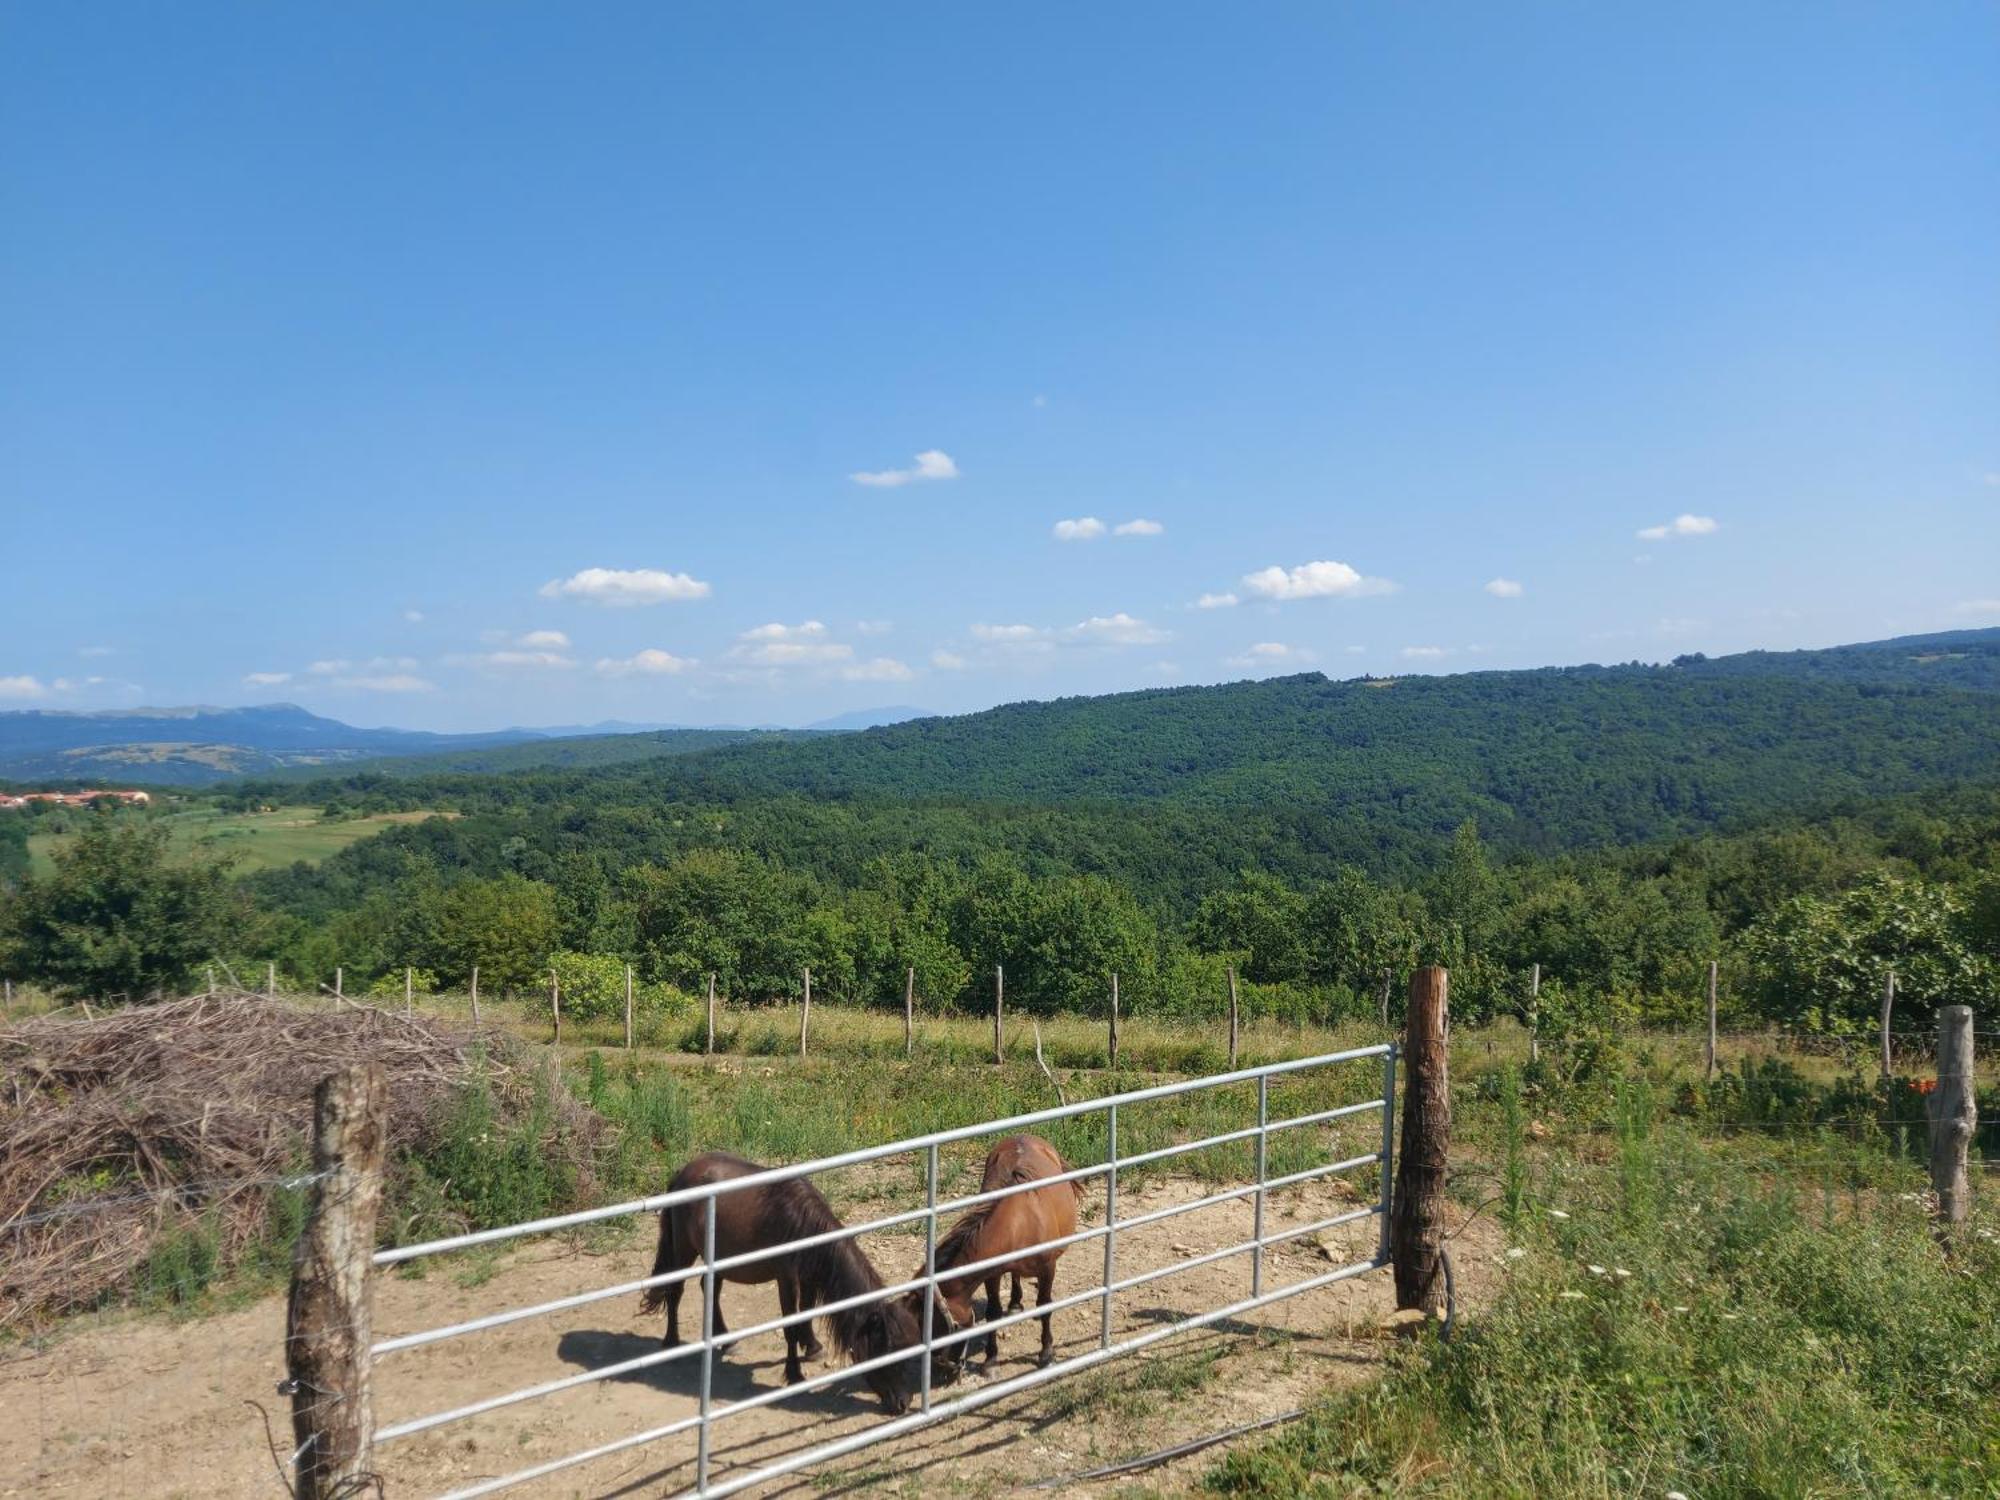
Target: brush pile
(118, 1130)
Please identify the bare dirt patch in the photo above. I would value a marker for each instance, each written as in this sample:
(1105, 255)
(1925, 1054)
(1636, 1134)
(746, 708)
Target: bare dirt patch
(147, 1407)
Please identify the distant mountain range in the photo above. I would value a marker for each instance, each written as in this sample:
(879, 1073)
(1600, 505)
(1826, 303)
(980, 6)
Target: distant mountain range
(198, 745)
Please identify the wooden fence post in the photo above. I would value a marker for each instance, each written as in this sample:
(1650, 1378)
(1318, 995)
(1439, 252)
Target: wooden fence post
(329, 1320)
(337, 996)
(910, 1012)
(1416, 1223)
(1232, 1016)
(711, 1014)
(555, 1004)
(1535, 1014)
(1954, 1115)
(475, 994)
(805, 1011)
(211, 979)
(7, 997)
(999, 993)
(270, 981)
(628, 1007)
(1111, 1042)
(1888, 1004)
(1711, 1020)
(409, 991)
(1386, 980)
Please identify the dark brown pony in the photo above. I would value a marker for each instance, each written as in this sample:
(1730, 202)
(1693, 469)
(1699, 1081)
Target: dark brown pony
(1010, 1223)
(768, 1217)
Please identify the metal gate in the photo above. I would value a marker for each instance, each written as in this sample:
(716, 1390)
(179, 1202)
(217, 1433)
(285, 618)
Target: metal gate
(930, 1408)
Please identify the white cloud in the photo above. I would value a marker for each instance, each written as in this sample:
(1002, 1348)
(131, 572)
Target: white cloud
(1270, 653)
(1006, 634)
(1423, 653)
(1216, 601)
(877, 669)
(513, 660)
(544, 640)
(1681, 525)
(1977, 607)
(414, 616)
(873, 627)
(652, 662)
(342, 667)
(808, 630)
(23, 686)
(331, 668)
(1139, 527)
(266, 679)
(1504, 588)
(95, 650)
(930, 464)
(779, 645)
(1083, 529)
(1314, 580)
(393, 682)
(1120, 629)
(947, 661)
(625, 587)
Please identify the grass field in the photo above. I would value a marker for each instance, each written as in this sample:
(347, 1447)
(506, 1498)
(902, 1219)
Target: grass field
(255, 841)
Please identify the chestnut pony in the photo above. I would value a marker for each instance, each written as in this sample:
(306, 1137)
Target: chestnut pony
(1011, 1223)
(764, 1217)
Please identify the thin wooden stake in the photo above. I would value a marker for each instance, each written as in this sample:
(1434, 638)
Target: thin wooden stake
(555, 1004)
(711, 1015)
(1387, 980)
(999, 995)
(1416, 1223)
(7, 999)
(1111, 1039)
(1888, 1004)
(1061, 1097)
(338, 997)
(1954, 1115)
(628, 1007)
(475, 994)
(1232, 1017)
(211, 980)
(409, 991)
(270, 981)
(329, 1320)
(805, 1011)
(1535, 1014)
(910, 1012)
(1711, 1020)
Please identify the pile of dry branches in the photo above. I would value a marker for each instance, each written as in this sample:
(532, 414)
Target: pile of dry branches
(118, 1128)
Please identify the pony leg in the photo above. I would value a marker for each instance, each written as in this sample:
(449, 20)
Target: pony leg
(674, 1255)
(992, 1313)
(788, 1303)
(1014, 1297)
(1044, 1284)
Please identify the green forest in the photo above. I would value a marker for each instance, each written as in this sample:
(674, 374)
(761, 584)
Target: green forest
(1807, 820)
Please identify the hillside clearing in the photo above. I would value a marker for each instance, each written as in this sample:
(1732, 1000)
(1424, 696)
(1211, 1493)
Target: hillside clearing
(254, 841)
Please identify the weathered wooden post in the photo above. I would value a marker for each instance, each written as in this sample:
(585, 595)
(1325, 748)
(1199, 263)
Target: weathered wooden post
(270, 981)
(1232, 1016)
(211, 980)
(1711, 1020)
(409, 991)
(338, 997)
(1954, 1115)
(1111, 1041)
(1387, 980)
(711, 1014)
(7, 996)
(1535, 1014)
(555, 1004)
(628, 1007)
(910, 1012)
(1888, 1004)
(475, 994)
(329, 1320)
(805, 1011)
(999, 993)
(1416, 1223)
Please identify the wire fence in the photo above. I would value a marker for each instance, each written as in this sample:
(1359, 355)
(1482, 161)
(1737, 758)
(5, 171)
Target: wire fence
(936, 1355)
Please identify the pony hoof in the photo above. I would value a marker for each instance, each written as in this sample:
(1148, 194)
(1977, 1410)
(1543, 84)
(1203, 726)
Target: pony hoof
(812, 1351)
(1044, 1359)
(793, 1377)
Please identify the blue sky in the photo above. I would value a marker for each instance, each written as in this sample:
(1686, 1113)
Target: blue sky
(453, 366)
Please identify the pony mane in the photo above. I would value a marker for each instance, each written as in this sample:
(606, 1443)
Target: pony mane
(831, 1272)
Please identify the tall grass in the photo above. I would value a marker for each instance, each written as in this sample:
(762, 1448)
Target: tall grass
(1712, 1319)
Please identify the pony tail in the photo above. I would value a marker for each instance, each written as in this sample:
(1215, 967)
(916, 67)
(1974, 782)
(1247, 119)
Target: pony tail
(655, 1297)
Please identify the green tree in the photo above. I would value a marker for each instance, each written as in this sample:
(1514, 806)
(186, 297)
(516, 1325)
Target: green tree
(505, 926)
(119, 919)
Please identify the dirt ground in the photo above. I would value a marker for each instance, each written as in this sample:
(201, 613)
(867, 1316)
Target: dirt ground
(153, 1407)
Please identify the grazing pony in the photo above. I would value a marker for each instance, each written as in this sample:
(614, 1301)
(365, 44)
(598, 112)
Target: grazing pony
(768, 1217)
(1011, 1223)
